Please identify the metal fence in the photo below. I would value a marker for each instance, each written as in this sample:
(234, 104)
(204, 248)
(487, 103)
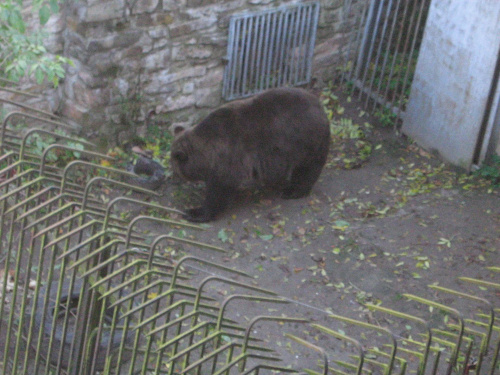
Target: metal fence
(84, 292)
(89, 291)
(270, 49)
(381, 54)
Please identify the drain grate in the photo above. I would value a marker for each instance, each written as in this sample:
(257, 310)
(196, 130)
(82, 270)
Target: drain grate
(270, 49)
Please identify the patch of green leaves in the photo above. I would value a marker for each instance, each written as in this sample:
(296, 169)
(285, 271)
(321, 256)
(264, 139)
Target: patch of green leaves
(349, 143)
(346, 129)
(386, 116)
(22, 51)
(490, 171)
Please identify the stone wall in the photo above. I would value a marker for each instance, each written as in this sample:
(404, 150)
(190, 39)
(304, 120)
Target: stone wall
(133, 57)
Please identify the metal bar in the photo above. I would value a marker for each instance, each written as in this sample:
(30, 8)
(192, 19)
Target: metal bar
(262, 39)
(171, 307)
(402, 362)
(241, 55)
(12, 320)
(106, 220)
(496, 354)
(205, 358)
(382, 330)
(302, 46)
(272, 48)
(269, 49)
(284, 35)
(459, 317)
(395, 55)
(229, 60)
(255, 369)
(486, 340)
(269, 319)
(252, 69)
(312, 41)
(24, 316)
(410, 57)
(140, 218)
(287, 50)
(69, 148)
(361, 58)
(4, 124)
(358, 42)
(230, 282)
(264, 55)
(313, 347)
(379, 49)
(374, 24)
(233, 63)
(275, 66)
(247, 45)
(31, 132)
(361, 353)
(19, 92)
(386, 56)
(404, 52)
(427, 346)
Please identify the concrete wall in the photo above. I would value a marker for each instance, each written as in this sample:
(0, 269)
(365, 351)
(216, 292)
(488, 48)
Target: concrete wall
(134, 57)
(453, 77)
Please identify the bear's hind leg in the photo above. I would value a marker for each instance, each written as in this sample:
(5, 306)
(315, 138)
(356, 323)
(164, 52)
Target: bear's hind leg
(302, 181)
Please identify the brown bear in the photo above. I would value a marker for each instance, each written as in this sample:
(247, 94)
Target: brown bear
(278, 139)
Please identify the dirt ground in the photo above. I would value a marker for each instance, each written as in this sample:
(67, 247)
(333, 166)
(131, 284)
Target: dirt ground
(385, 221)
(371, 231)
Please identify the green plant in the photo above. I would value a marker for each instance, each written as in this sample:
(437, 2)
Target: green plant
(386, 116)
(490, 170)
(396, 75)
(22, 51)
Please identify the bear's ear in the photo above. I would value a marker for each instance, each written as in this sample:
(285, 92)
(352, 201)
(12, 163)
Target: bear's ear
(179, 130)
(180, 156)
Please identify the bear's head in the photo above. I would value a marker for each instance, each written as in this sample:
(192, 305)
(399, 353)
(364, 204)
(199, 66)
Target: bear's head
(187, 157)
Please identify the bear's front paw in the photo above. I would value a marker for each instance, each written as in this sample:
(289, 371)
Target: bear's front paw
(198, 215)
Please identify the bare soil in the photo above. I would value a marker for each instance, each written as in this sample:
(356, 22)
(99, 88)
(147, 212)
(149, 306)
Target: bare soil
(390, 225)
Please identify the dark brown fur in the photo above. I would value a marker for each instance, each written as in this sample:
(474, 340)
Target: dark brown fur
(278, 139)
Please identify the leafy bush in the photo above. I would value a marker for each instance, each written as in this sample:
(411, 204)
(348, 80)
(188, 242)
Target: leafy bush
(22, 52)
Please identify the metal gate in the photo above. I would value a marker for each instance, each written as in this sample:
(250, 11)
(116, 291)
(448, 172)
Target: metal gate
(270, 49)
(381, 55)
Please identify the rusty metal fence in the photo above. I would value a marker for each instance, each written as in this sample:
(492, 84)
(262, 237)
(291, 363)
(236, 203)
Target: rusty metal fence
(92, 292)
